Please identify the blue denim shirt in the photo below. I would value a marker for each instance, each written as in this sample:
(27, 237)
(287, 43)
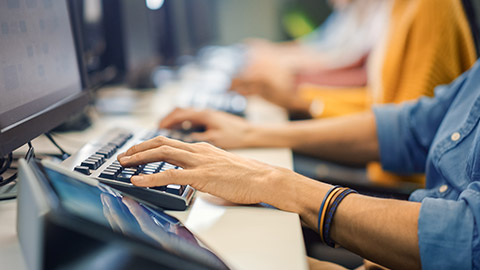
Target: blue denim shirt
(441, 137)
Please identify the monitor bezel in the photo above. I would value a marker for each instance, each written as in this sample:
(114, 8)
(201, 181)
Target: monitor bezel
(25, 130)
(36, 125)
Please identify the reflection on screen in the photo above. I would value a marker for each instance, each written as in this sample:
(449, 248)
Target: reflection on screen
(124, 215)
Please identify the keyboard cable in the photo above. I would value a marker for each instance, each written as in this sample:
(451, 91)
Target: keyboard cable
(65, 155)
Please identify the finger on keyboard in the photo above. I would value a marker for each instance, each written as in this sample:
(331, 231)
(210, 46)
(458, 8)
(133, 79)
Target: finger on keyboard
(178, 177)
(166, 153)
(154, 143)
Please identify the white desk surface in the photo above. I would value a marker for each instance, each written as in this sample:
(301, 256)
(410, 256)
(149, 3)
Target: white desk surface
(246, 237)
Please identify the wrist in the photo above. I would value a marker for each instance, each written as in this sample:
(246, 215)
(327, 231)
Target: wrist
(251, 135)
(267, 136)
(278, 186)
(292, 192)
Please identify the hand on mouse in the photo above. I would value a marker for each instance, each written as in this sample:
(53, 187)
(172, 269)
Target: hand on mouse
(221, 129)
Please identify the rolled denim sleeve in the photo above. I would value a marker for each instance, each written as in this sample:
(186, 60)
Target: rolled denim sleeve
(405, 132)
(448, 231)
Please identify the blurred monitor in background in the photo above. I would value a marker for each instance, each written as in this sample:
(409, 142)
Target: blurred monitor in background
(119, 41)
(203, 21)
(130, 46)
(124, 40)
(89, 31)
(183, 27)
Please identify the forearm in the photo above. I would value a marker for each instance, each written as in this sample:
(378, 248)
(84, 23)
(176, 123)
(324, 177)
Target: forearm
(383, 231)
(349, 139)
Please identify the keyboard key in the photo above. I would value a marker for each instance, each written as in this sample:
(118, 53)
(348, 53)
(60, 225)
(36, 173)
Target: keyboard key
(97, 162)
(96, 156)
(100, 158)
(130, 170)
(108, 175)
(112, 171)
(107, 151)
(154, 166)
(124, 177)
(82, 169)
(115, 171)
(167, 166)
(115, 143)
(90, 164)
(115, 167)
(148, 171)
(104, 153)
(151, 168)
(175, 189)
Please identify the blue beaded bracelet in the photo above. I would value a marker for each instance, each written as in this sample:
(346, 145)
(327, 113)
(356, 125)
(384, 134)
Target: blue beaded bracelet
(331, 211)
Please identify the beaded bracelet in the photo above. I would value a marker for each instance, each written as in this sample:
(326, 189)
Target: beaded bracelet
(330, 213)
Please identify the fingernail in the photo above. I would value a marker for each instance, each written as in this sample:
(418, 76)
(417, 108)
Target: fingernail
(137, 179)
(124, 159)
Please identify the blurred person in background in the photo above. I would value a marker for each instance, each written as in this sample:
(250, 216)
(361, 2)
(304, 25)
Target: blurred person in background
(334, 54)
(426, 43)
(342, 42)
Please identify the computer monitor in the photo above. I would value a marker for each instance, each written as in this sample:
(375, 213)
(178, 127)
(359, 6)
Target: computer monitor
(40, 76)
(130, 44)
(119, 40)
(187, 26)
(203, 22)
(89, 31)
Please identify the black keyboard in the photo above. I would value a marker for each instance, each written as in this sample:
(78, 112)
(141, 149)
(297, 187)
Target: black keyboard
(98, 159)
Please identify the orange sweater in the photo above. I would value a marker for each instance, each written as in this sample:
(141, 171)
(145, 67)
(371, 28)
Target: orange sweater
(429, 43)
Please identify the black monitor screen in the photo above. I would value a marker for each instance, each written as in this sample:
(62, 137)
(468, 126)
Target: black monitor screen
(38, 65)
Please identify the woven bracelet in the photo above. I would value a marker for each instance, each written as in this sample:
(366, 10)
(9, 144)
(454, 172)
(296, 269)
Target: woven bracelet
(330, 213)
(322, 206)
